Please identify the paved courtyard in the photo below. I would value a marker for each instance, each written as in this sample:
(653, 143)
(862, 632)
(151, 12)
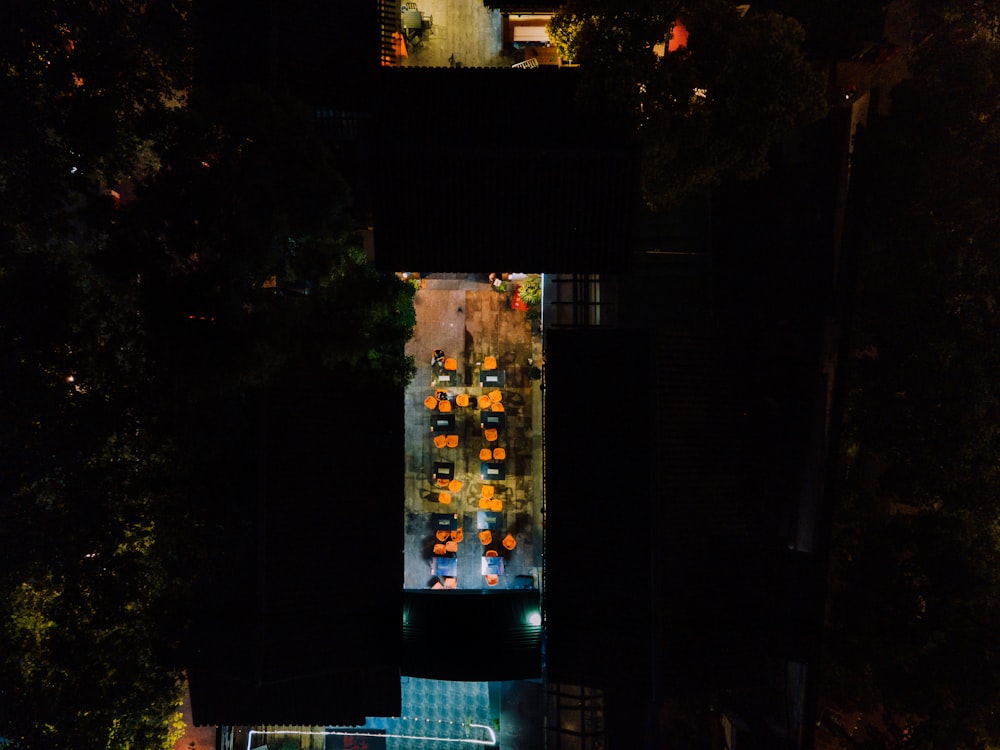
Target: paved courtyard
(462, 315)
(463, 32)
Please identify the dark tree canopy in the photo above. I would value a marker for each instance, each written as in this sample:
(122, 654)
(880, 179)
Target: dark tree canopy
(136, 343)
(83, 87)
(915, 582)
(89, 512)
(706, 112)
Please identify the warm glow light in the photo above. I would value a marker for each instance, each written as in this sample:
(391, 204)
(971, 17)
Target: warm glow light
(491, 742)
(535, 619)
(678, 37)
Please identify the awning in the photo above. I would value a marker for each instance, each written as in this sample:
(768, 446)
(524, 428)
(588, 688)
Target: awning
(504, 625)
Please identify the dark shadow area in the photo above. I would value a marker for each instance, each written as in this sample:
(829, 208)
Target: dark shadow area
(316, 639)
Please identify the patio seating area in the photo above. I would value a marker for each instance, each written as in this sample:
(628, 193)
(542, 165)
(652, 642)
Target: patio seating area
(451, 33)
(473, 416)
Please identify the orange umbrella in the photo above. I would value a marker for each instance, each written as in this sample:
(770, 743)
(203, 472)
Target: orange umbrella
(399, 45)
(678, 36)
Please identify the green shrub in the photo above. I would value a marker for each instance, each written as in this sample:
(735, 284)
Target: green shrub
(531, 291)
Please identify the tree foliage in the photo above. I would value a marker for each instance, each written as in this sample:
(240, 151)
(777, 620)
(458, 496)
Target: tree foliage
(916, 592)
(89, 504)
(84, 86)
(136, 344)
(247, 252)
(706, 112)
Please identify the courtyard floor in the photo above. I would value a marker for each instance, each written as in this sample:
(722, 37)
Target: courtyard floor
(463, 32)
(462, 315)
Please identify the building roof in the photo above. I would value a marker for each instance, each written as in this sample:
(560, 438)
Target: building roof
(323, 52)
(317, 640)
(316, 52)
(496, 162)
(522, 6)
(600, 595)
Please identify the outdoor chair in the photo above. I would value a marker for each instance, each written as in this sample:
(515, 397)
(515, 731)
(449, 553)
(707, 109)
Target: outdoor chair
(439, 549)
(499, 454)
(492, 553)
(484, 503)
(437, 584)
(451, 545)
(462, 399)
(491, 434)
(509, 542)
(485, 454)
(524, 583)
(453, 441)
(444, 498)
(455, 485)
(489, 363)
(442, 535)
(457, 535)
(496, 407)
(485, 537)
(442, 482)
(440, 441)
(488, 489)
(492, 580)
(444, 406)
(496, 396)
(451, 364)
(431, 402)
(450, 582)
(496, 504)
(484, 402)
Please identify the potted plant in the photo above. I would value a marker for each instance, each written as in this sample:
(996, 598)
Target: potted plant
(530, 292)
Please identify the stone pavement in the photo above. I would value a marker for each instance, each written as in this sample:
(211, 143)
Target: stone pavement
(463, 32)
(468, 320)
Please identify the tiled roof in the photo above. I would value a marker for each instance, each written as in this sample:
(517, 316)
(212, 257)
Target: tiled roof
(474, 164)
(324, 52)
(522, 6)
(317, 641)
(654, 514)
(599, 538)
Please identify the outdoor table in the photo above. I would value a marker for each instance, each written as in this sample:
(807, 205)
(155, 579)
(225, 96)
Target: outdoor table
(492, 378)
(492, 470)
(412, 19)
(496, 419)
(447, 378)
(488, 519)
(444, 470)
(442, 422)
(492, 566)
(446, 567)
(446, 521)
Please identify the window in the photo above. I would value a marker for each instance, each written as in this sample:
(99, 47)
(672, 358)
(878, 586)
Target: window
(580, 300)
(575, 718)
